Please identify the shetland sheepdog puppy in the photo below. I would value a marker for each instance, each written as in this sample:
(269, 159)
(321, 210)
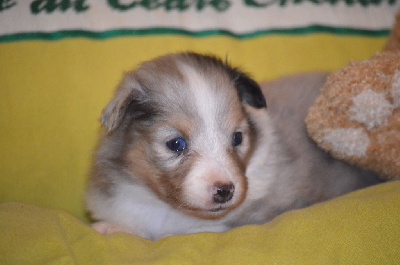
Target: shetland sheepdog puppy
(190, 146)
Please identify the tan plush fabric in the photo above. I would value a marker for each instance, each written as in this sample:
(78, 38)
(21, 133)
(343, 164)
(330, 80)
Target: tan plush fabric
(357, 115)
(393, 43)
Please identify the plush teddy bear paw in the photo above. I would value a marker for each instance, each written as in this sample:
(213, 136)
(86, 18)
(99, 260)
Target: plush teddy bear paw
(357, 115)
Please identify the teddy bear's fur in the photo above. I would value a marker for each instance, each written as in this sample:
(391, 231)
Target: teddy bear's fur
(393, 44)
(357, 115)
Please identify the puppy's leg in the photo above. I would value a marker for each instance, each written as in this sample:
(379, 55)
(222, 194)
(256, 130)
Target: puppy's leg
(107, 228)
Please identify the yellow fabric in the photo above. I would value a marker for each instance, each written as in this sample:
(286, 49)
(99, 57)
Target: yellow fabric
(360, 228)
(52, 93)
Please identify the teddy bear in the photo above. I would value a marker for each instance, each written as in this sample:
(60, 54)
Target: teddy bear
(356, 117)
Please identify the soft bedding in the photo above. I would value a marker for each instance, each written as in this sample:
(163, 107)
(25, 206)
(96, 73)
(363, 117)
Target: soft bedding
(60, 62)
(360, 228)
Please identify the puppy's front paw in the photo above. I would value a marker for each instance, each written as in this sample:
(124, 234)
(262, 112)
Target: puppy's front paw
(107, 228)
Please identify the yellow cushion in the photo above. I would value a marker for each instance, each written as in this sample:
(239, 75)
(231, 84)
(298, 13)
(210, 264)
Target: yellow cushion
(359, 228)
(52, 93)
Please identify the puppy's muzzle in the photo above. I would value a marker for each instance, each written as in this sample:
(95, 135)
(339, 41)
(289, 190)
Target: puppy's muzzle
(223, 192)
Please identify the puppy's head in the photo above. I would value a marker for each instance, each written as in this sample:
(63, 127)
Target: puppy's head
(186, 133)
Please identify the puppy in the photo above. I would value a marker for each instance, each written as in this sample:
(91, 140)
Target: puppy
(190, 146)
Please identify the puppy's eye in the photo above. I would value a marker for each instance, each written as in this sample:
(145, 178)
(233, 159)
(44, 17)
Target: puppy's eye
(177, 144)
(237, 138)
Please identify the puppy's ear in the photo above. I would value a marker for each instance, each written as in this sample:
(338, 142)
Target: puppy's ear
(127, 92)
(249, 91)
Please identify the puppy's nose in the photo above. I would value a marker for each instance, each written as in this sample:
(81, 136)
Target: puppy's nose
(223, 192)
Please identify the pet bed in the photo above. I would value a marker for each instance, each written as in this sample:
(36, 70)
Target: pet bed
(60, 62)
